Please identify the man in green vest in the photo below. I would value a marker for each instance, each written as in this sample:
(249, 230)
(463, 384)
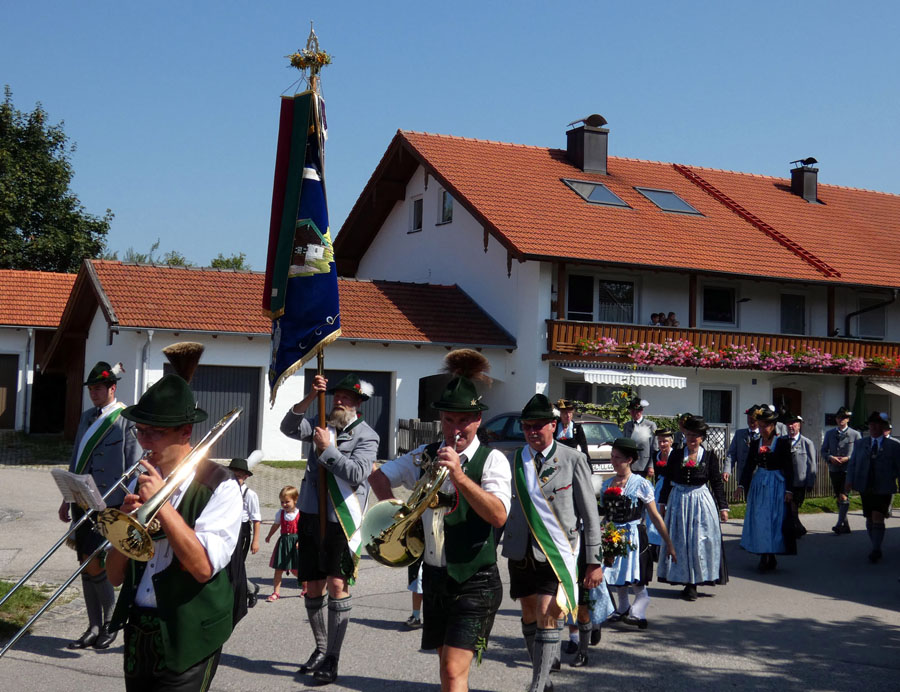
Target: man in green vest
(104, 449)
(177, 608)
(461, 583)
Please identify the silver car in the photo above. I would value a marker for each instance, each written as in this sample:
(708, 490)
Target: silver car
(504, 432)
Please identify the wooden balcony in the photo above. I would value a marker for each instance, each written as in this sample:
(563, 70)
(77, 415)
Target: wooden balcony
(564, 336)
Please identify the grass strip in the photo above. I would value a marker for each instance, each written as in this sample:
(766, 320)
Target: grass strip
(18, 610)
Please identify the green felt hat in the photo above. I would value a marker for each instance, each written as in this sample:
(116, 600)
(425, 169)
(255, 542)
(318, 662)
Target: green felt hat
(539, 408)
(167, 404)
(627, 446)
(103, 373)
(240, 465)
(460, 396)
(352, 383)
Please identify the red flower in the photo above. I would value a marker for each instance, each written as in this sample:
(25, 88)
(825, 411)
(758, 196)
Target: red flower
(356, 386)
(104, 374)
(613, 490)
(764, 448)
(690, 463)
(661, 464)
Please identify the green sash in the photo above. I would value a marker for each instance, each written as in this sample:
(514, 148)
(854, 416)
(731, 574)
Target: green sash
(96, 432)
(346, 506)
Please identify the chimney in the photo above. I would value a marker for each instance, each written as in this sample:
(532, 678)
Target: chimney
(586, 145)
(804, 179)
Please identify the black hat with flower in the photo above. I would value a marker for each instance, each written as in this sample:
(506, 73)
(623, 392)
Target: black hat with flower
(765, 413)
(104, 373)
(696, 425)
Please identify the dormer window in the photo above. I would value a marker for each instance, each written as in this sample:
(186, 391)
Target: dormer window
(667, 201)
(596, 193)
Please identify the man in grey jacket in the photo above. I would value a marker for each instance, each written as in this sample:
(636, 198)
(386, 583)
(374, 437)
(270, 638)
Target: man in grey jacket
(837, 448)
(105, 447)
(346, 449)
(739, 448)
(806, 464)
(643, 432)
(874, 470)
(552, 511)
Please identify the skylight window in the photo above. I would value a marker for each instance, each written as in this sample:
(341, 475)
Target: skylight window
(667, 200)
(596, 193)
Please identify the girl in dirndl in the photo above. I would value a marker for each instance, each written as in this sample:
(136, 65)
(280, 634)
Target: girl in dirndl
(624, 498)
(285, 557)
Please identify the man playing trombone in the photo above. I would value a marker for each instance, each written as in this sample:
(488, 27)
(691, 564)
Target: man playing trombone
(104, 448)
(461, 584)
(177, 607)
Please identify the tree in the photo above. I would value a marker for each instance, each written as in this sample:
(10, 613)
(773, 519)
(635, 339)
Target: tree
(43, 224)
(237, 262)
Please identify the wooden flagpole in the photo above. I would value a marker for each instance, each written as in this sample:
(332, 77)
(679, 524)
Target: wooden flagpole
(323, 481)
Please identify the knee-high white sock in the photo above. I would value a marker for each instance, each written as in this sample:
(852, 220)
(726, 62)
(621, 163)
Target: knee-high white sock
(641, 601)
(622, 600)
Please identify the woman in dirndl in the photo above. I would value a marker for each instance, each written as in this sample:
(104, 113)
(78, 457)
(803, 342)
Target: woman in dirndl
(623, 500)
(768, 473)
(664, 441)
(693, 513)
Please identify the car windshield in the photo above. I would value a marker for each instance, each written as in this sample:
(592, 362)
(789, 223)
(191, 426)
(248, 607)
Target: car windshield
(598, 433)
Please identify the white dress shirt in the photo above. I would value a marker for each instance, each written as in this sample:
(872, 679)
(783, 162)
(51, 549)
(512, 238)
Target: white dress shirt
(496, 478)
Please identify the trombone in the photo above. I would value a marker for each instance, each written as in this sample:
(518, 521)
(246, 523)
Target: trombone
(131, 534)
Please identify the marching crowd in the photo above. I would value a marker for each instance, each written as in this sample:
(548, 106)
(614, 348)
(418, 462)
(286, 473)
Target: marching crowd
(574, 548)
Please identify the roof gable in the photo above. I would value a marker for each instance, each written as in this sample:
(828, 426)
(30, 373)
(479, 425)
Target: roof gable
(749, 225)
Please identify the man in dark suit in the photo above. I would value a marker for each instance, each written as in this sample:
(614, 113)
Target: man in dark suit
(740, 446)
(105, 446)
(347, 449)
(873, 470)
(553, 510)
(568, 432)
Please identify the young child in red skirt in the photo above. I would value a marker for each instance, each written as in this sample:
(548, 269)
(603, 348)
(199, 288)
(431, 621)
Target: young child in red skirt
(285, 557)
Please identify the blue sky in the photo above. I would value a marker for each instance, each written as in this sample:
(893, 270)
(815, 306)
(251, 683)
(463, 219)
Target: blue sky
(174, 105)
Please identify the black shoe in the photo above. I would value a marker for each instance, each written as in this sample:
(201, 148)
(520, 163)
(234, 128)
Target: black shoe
(554, 667)
(327, 672)
(85, 641)
(580, 660)
(615, 617)
(596, 636)
(874, 556)
(548, 687)
(312, 663)
(689, 593)
(570, 647)
(773, 563)
(763, 565)
(413, 623)
(252, 598)
(641, 623)
(105, 639)
(845, 528)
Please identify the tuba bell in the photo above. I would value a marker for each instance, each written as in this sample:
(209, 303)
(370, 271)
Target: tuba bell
(392, 529)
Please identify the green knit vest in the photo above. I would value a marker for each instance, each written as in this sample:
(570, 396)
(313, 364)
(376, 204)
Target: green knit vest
(468, 539)
(195, 618)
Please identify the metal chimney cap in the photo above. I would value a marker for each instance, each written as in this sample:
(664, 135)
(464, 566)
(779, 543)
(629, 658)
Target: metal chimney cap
(808, 161)
(595, 120)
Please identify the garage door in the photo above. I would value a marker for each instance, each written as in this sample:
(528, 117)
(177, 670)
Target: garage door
(9, 377)
(375, 411)
(218, 389)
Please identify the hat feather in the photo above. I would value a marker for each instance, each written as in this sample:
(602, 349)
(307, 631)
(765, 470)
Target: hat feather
(118, 369)
(255, 457)
(466, 362)
(184, 357)
(366, 388)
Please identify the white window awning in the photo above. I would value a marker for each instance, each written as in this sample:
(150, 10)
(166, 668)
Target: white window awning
(639, 379)
(888, 387)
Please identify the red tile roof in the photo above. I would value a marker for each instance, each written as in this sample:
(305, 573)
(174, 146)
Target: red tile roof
(33, 299)
(750, 225)
(163, 297)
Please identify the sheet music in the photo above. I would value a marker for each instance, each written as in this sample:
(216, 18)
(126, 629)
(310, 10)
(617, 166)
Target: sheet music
(79, 489)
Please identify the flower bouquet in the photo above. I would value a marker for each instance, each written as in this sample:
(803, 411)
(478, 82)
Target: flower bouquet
(615, 543)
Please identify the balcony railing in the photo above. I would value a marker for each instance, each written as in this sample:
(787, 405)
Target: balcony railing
(563, 338)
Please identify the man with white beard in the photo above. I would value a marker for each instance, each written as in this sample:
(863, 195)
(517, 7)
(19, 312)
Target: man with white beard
(347, 449)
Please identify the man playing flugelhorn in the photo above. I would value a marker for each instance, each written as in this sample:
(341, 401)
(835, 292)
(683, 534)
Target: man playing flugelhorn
(461, 583)
(177, 608)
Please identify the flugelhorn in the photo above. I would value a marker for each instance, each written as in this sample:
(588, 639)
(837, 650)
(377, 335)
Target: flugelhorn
(392, 529)
(131, 534)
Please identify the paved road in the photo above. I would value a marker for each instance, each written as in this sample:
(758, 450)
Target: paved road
(827, 620)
